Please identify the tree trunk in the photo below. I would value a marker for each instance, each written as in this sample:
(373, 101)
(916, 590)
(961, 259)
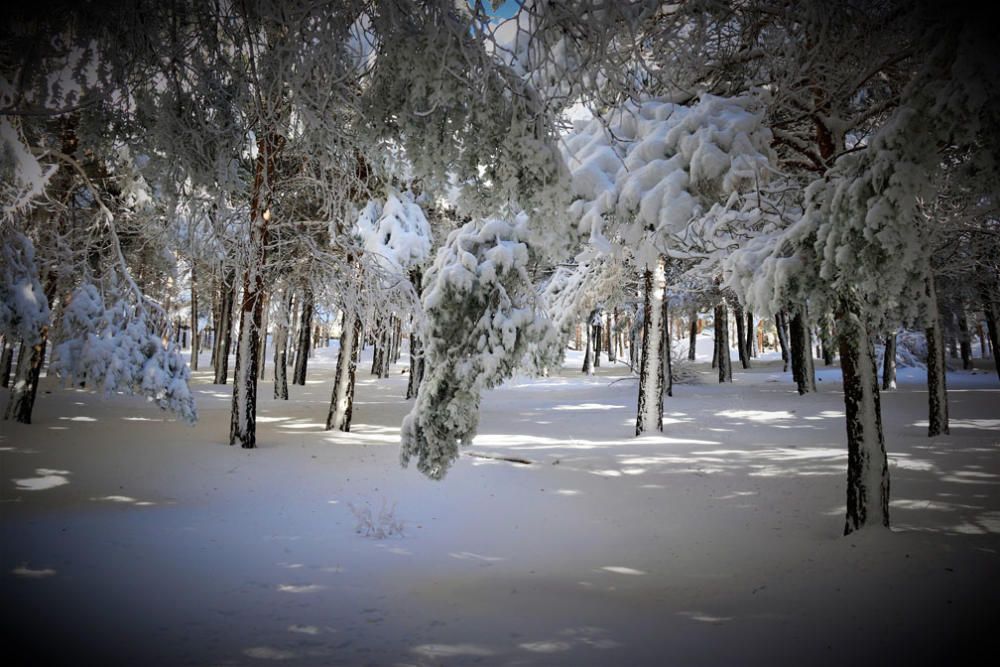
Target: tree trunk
(867, 464)
(668, 379)
(693, 337)
(751, 336)
(224, 334)
(650, 410)
(741, 337)
(609, 338)
(826, 342)
(588, 357)
(722, 343)
(243, 426)
(782, 330)
(937, 389)
(262, 354)
(305, 338)
(195, 343)
(342, 399)
(802, 358)
(281, 327)
(21, 401)
(964, 339)
(889, 363)
(6, 360)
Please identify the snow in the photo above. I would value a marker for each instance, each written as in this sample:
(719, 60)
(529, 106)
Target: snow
(715, 542)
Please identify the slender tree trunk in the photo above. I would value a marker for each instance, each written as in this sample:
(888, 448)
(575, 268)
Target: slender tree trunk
(588, 357)
(342, 399)
(826, 341)
(195, 343)
(281, 327)
(867, 464)
(937, 388)
(722, 343)
(782, 330)
(650, 410)
(609, 337)
(751, 336)
(263, 336)
(6, 360)
(964, 338)
(224, 335)
(802, 358)
(305, 338)
(889, 363)
(741, 337)
(243, 426)
(385, 350)
(693, 337)
(668, 379)
(633, 347)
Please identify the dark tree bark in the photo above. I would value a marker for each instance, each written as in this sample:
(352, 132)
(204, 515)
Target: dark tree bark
(588, 357)
(867, 464)
(263, 336)
(30, 359)
(990, 310)
(693, 336)
(416, 348)
(751, 336)
(668, 378)
(889, 363)
(609, 338)
(634, 346)
(342, 399)
(650, 410)
(964, 339)
(281, 327)
(598, 342)
(243, 425)
(937, 389)
(741, 337)
(781, 326)
(722, 343)
(305, 338)
(195, 343)
(6, 361)
(801, 347)
(224, 332)
(826, 343)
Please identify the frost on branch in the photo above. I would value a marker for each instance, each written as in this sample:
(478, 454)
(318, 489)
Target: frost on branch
(115, 349)
(397, 233)
(481, 317)
(24, 177)
(24, 310)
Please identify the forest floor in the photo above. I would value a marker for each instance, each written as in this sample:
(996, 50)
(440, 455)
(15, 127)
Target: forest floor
(128, 538)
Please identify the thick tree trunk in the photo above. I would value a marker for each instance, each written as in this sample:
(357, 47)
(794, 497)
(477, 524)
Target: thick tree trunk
(693, 337)
(650, 409)
(281, 327)
(6, 361)
(937, 389)
(224, 334)
(722, 343)
(782, 330)
(305, 338)
(342, 399)
(243, 426)
(21, 401)
(195, 343)
(802, 358)
(385, 351)
(889, 363)
(741, 337)
(867, 464)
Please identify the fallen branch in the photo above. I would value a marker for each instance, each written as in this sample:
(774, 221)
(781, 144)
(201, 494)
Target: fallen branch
(495, 457)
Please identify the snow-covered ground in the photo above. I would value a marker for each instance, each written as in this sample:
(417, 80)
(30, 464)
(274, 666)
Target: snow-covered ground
(128, 538)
